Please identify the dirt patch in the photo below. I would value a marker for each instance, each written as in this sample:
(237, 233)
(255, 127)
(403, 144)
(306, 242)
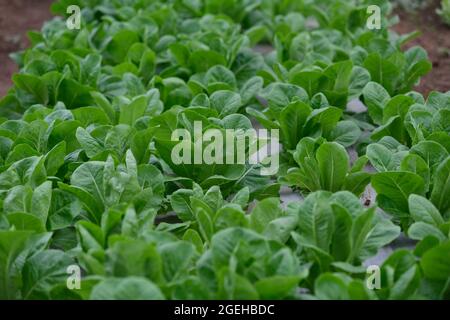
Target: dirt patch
(435, 38)
(16, 18)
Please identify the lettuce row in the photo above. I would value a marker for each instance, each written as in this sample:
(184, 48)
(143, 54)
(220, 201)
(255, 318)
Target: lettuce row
(86, 176)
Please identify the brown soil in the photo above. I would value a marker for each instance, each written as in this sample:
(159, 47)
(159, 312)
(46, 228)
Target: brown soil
(16, 18)
(435, 38)
(19, 16)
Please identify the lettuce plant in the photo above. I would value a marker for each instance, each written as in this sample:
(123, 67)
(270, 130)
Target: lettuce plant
(88, 183)
(422, 170)
(336, 232)
(326, 166)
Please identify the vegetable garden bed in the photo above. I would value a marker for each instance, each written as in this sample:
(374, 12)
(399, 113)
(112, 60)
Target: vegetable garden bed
(93, 204)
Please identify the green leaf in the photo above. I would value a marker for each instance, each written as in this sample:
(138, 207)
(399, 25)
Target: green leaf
(422, 210)
(357, 182)
(74, 95)
(55, 158)
(432, 152)
(382, 71)
(103, 103)
(132, 112)
(316, 221)
(256, 33)
(242, 197)
(181, 204)
(203, 60)
(18, 199)
(190, 288)
(382, 158)
(205, 223)
(90, 115)
(394, 189)
(406, 285)
(334, 164)
(264, 212)
(421, 230)
(90, 68)
(176, 258)
(89, 177)
(233, 286)
(292, 119)
(26, 222)
(441, 187)
(426, 244)
(220, 74)
(330, 287)
(32, 85)
(43, 271)
(361, 229)
(360, 77)
(90, 236)
(130, 288)
(341, 243)
(229, 216)
(250, 89)
(117, 49)
(346, 133)
(414, 73)
(280, 229)
(415, 164)
(40, 201)
(397, 106)
(90, 145)
(322, 121)
(12, 244)
(276, 287)
(393, 127)
(279, 95)
(226, 102)
(435, 262)
(64, 208)
(382, 234)
(224, 242)
(91, 204)
(130, 257)
(193, 237)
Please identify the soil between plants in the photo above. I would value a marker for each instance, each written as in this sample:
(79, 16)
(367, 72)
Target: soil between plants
(435, 38)
(17, 17)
